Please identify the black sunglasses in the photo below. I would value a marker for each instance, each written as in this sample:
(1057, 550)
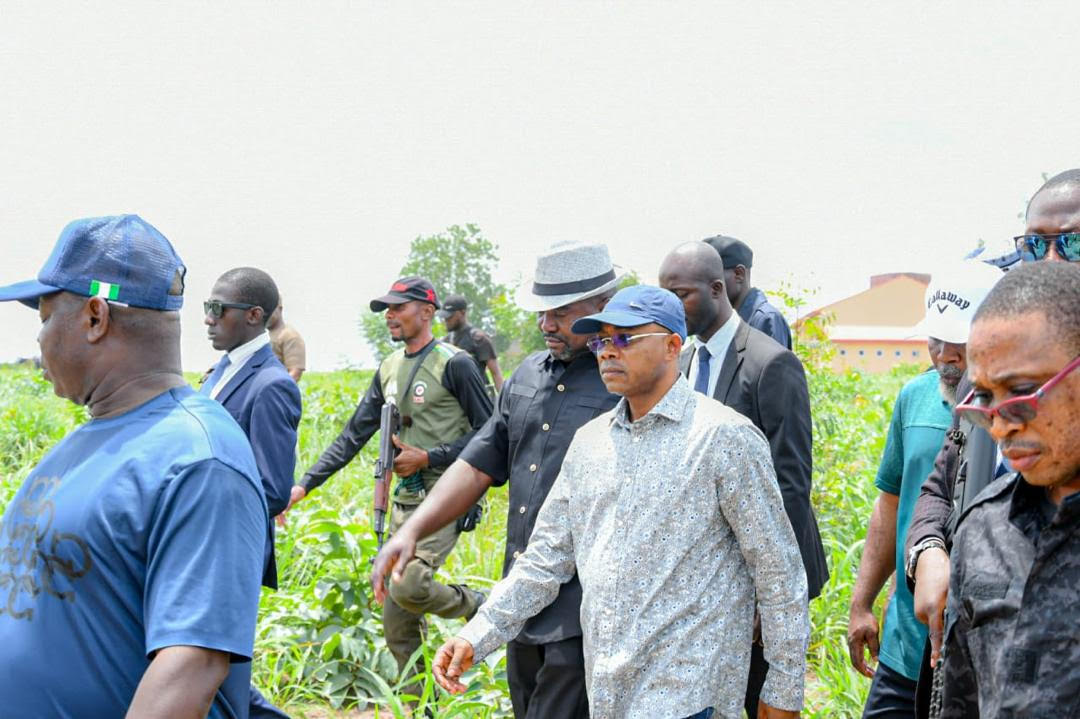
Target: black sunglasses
(216, 308)
(1033, 248)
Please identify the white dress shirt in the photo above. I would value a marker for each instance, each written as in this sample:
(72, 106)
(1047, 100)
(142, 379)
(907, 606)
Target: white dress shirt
(718, 347)
(238, 358)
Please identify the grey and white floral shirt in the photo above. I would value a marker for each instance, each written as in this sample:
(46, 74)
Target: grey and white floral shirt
(674, 523)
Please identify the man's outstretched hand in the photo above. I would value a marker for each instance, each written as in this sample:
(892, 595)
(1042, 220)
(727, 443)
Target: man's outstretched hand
(392, 558)
(451, 661)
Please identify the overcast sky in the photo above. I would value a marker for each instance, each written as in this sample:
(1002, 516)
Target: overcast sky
(315, 140)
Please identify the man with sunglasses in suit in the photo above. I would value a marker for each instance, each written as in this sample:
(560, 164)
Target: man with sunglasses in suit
(970, 459)
(256, 389)
(748, 371)
(1012, 639)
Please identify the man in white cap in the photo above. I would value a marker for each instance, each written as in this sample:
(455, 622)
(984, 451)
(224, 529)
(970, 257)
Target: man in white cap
(921, 415)
(552, 394)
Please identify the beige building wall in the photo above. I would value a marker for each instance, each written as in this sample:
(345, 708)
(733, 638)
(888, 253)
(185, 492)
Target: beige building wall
(874, 330)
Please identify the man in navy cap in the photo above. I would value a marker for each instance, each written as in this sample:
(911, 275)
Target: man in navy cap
(748, 301)
(668, 509)
(443, 401)
(132, 553)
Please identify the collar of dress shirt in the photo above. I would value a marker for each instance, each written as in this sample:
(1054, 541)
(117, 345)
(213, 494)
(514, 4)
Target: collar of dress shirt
(721, 339)
(671, 406)
(241, 354)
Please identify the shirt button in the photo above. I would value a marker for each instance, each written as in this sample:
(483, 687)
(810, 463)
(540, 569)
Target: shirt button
(532, 467)
(546, 427)
(561, 387)
(521, 511)
(517, 554)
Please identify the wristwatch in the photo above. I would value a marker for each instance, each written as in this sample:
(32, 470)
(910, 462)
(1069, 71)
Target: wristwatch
(913, 555)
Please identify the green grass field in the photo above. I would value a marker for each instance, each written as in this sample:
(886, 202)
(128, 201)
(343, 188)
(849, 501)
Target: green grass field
(318, 645)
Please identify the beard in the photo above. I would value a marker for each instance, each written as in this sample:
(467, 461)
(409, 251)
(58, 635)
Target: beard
(949, 379)
(948, 392)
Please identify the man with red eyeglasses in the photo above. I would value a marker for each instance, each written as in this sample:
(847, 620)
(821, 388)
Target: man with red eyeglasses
(1013, 632)
(969, 459)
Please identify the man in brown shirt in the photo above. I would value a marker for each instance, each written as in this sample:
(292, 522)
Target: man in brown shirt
(287, 344)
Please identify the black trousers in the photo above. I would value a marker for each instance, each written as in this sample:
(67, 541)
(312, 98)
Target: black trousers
(547, 680)
(758, 669)
(892, 695)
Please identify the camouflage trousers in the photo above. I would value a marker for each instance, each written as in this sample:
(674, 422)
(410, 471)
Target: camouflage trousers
(418, 593)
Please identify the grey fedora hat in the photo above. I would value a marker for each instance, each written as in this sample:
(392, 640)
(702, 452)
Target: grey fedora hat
(567, 272)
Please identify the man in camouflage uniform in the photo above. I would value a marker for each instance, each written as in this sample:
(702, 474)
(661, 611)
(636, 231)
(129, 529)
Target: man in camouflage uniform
(441, 408)
(1012, 637)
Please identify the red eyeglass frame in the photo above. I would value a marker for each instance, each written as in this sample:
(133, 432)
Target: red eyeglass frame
(984, 416)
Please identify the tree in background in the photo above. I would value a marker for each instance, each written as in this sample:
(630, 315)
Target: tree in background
(458, 260)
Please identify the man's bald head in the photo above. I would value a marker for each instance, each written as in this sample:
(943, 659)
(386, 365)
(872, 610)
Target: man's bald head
(695, 273)
(1055, 207)
(695, 260)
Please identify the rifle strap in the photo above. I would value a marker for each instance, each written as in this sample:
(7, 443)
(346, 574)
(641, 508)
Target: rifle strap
(412, 374)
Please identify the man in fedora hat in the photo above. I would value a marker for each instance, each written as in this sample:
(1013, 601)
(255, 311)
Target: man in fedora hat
(542, 405)
(443, 403)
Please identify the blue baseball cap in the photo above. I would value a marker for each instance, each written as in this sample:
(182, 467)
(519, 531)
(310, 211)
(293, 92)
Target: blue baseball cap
(123, 259)
(635, 306)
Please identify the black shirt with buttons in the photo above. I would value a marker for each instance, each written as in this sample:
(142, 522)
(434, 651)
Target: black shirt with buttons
(540, 408)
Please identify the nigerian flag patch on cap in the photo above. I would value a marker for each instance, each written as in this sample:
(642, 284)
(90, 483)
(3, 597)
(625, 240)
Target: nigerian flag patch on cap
(104, 289)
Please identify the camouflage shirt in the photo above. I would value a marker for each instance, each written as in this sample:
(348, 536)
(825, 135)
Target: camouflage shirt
(1012, 643)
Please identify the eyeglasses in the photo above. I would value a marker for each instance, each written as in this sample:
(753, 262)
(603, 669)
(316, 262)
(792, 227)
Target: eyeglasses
(621, 340)
(1033, 248)
(1016, 410)
(216, 308)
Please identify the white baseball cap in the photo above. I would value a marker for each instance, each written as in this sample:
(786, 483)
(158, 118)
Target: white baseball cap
(953, 295)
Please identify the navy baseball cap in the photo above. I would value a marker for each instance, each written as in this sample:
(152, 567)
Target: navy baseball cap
(635, 306)
(123, 259)
(733, 252)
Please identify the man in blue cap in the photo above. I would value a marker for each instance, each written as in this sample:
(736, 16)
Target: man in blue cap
(668, 509)
(132, 553)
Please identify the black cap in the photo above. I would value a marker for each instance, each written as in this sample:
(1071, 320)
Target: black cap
(406, 289)
(452, 304)
(733, 252)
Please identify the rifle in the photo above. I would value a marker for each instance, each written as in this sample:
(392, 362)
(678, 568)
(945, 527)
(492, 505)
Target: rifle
(389, 424)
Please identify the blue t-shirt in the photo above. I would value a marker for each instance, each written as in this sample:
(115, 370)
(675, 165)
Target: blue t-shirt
(133, 534)
(920, 418)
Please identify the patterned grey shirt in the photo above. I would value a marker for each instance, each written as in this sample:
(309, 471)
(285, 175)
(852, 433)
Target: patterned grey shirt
(673, 523)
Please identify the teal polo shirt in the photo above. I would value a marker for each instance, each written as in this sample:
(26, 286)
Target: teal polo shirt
(920, 419)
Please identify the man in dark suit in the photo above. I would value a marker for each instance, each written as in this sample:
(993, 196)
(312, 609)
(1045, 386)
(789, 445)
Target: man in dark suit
(260, 395)
(751, 373)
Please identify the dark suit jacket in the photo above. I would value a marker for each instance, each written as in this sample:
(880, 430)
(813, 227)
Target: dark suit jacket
(966, 462)
(765, 383)
(265, 401)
